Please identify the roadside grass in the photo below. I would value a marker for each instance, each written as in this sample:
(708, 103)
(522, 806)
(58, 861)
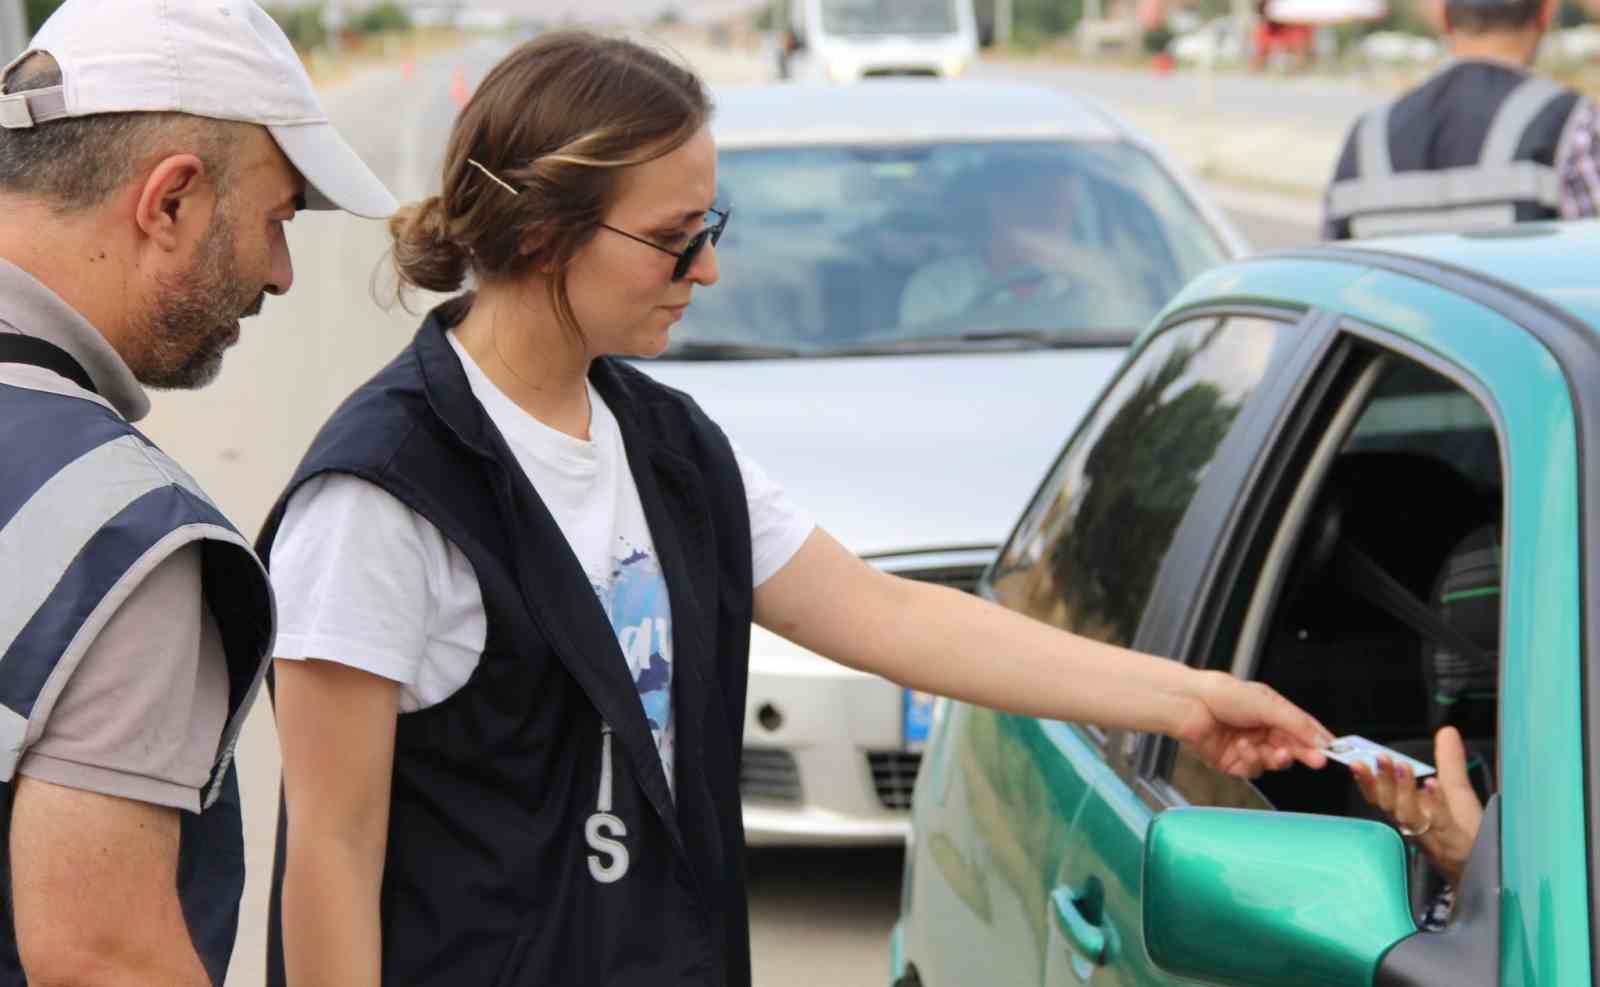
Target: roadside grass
(332, 67)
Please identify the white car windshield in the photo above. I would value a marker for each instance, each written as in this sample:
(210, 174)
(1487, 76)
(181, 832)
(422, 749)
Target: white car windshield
(872, 17)
(858, 249)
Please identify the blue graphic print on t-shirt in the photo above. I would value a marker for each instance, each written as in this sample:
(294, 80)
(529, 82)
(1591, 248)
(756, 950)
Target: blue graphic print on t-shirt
(635, 599)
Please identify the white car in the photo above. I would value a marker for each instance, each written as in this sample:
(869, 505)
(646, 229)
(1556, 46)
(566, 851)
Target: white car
(847, 40)
(1398, 48)
(1216, 42)
(924, 285)
(1573, 45)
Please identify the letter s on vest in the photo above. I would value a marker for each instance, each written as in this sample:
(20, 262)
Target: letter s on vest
(609, 863)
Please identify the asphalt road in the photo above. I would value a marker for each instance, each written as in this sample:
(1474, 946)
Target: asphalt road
(1290, 99)
(818, 916)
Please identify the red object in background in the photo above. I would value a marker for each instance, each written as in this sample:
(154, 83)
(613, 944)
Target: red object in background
(1161, 63)
(459, 93)
(1272, 37)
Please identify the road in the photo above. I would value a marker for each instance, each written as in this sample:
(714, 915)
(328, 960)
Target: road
(1290, 99)
(817, 916)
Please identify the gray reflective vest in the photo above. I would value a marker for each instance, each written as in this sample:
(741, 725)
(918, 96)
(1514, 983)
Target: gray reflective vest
(1476, 146)
(88, 506)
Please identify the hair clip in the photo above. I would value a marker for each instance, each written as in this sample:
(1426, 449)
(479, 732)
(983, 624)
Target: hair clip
(493, 177)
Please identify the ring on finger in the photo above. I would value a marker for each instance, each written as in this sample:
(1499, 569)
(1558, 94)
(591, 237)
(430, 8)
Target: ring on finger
(1405, 830)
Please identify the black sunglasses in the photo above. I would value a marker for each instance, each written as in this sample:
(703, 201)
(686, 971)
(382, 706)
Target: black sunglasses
(697, 243)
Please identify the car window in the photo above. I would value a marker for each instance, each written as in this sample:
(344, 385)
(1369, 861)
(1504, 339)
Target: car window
(1086, 553)
(870, 18)
(1398, 511)
(852, 247)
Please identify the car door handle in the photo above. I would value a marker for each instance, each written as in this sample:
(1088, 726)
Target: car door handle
(1089, 937)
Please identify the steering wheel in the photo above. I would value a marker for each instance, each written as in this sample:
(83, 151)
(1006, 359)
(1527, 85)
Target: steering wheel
(1023, 275)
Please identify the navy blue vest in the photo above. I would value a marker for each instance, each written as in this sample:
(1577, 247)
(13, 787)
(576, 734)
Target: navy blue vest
(532, 835)
(88, 506)
(1473, 147)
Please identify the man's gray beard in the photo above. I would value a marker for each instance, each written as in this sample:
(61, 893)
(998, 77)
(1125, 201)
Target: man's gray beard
(196, 316)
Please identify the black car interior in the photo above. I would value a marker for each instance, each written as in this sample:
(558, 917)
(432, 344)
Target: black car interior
(1388, 626)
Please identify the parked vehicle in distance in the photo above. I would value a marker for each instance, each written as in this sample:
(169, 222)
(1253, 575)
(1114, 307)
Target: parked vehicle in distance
(1216, 42)
(1398, 48)
(1364, 475)
(921, 282)
(847, 40)
(1572, 46)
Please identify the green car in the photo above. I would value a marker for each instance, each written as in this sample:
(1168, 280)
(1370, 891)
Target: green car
(1368, 476)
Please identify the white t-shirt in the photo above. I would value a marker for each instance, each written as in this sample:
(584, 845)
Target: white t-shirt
(363, 580)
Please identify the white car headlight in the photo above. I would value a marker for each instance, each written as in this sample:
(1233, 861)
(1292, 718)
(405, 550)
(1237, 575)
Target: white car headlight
(842, 72)
(954, 65)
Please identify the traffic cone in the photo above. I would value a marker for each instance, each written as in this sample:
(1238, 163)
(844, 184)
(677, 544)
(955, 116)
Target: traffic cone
(459, 93)
(408, 69)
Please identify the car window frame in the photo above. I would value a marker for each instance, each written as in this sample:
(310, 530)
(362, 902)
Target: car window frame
(1349, 358)
(1124, 750)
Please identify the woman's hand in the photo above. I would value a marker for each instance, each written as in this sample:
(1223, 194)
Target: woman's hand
(1245, 728)
(1442, 816)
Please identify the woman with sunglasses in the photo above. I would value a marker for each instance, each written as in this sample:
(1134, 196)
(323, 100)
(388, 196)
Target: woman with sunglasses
(516, 579)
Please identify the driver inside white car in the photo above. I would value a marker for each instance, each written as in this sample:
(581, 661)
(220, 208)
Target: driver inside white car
(1027, 209)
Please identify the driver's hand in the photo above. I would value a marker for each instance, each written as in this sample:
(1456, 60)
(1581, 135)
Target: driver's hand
(1443, 815)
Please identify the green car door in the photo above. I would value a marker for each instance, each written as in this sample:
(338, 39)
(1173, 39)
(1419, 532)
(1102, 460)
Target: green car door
(1429, 427)
(1201, 390)
(1288, 497)
(998, 796)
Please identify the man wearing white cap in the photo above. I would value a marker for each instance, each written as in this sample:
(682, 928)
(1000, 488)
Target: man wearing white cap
(150, 153)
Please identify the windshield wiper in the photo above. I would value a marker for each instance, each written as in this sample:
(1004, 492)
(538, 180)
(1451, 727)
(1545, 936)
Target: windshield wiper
(706, 349)
(1021, 338)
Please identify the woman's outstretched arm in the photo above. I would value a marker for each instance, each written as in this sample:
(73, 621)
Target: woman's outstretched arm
(943, 641)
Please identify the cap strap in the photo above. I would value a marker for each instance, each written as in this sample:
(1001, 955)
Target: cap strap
(19, 111)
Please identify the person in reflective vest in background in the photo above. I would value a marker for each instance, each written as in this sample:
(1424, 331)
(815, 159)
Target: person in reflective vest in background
(149, 157)
(1483, 143)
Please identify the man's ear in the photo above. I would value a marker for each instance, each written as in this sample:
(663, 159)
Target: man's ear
(176, 200)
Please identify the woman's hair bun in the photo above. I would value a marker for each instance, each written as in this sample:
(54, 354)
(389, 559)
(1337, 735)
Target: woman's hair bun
(425, 256)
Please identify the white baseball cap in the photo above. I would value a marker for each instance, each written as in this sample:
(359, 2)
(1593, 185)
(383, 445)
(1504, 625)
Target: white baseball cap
(225, 59)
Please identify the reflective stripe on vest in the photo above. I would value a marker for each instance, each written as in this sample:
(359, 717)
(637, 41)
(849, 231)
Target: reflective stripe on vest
(83, 539)
(1379, 199)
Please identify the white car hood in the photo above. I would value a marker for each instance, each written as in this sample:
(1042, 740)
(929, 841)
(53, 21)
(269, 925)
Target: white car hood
(902, 453)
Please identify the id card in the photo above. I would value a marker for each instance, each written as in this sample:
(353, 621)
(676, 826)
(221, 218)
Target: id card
(1353, 749)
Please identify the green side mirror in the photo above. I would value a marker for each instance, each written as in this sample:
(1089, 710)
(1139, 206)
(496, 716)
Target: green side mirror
(1249, 898)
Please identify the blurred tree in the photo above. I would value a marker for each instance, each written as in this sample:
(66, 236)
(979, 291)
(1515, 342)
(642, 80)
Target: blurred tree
(387, 16)
(1139, 479)
(303, 24)
(1037, 21)
(39, 11)
(669, 17)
